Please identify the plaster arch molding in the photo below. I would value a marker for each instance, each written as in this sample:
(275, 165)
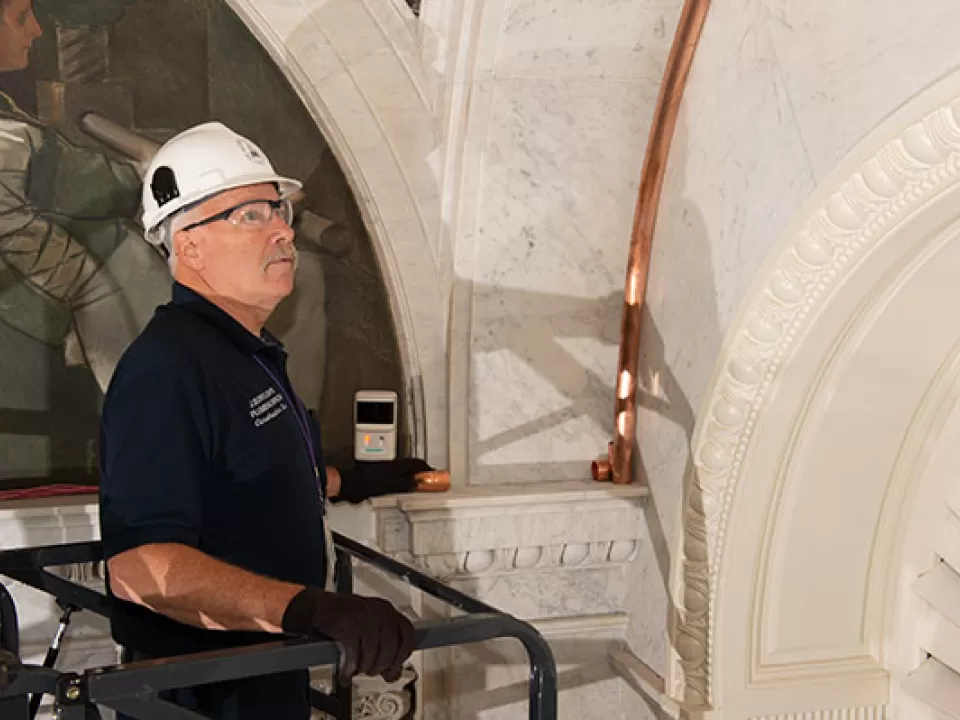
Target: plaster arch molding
(809, 583)
(355, 66)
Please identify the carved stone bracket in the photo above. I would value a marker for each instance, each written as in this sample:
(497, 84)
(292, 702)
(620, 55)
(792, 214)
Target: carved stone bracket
(373, 698)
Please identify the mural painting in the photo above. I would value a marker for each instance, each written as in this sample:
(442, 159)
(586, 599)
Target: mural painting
(87, 92)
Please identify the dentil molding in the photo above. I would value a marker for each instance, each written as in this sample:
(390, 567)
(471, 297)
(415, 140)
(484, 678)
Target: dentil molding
(860, 713)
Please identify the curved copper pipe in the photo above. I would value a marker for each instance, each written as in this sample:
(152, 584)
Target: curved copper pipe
(619, 462)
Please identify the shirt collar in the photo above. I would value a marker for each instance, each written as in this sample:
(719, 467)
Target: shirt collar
(194, 302)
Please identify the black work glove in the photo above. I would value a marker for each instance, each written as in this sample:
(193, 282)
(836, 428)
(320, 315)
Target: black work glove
(373, 637)
(371, 479)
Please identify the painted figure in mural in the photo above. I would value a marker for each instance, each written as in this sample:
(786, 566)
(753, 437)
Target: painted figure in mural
(214, 487)
(66, 230)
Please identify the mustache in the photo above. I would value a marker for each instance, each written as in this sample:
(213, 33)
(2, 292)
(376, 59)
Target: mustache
(279, 255)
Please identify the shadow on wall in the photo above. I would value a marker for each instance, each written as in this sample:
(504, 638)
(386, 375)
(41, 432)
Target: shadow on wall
(529, 330)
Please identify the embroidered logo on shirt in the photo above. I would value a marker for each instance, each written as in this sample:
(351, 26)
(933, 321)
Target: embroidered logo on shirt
(266, 406)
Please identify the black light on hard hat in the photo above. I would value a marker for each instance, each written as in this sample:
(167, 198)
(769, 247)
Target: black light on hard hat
(164, 186)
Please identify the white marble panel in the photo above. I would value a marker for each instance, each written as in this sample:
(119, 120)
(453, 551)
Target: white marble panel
(562, 166)
(544, 415)
(843, 83)
(552, 227)
(500, 693)
(490, 680)
(595, 38)
(648, 604)
(524, 527)
(562, 593)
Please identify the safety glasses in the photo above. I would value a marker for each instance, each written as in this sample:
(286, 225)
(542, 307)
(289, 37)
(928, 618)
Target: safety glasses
(251, 215)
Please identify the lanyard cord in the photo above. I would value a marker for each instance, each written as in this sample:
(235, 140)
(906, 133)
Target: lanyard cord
(301, 414)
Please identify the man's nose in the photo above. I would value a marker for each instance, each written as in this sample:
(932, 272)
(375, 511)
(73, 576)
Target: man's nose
(280, 232)
(33, 27)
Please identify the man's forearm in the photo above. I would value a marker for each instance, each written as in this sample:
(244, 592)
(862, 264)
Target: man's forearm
(189, 586)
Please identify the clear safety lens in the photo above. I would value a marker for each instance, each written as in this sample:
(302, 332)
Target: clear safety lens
(259, 213)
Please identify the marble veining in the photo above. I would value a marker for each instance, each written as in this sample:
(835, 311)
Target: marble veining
(842, 84)
(596, 38)
(554, 218)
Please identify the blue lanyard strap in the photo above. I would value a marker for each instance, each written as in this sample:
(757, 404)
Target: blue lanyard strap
(300, 412)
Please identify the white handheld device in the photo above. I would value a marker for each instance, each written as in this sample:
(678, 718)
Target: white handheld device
(375, 425)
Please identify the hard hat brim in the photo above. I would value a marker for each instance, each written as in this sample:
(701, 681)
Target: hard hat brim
(285, 187)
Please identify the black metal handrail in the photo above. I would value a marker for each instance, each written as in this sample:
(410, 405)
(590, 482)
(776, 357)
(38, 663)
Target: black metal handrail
(133, 688)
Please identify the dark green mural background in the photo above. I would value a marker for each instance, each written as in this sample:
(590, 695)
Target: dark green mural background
(72, 263)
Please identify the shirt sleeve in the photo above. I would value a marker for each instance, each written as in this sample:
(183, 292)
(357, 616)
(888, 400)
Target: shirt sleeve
(155, 455)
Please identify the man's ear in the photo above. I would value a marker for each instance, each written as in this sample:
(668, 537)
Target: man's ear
(187, 250)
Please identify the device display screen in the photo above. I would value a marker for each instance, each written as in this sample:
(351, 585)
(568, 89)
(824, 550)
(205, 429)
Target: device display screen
(375, 413)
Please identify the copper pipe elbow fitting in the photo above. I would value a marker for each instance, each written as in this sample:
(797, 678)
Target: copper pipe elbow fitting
(433, 481)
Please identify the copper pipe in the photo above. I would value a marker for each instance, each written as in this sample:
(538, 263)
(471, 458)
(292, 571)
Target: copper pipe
(432, 481)
(685, 41)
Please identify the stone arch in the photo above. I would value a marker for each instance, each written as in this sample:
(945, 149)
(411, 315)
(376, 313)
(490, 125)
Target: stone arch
(839, 367)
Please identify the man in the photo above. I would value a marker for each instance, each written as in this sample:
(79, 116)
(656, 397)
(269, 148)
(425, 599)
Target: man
(213, 487)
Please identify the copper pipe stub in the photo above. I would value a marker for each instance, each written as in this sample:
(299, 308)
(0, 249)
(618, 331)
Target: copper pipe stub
(433, 481)
(602, 468)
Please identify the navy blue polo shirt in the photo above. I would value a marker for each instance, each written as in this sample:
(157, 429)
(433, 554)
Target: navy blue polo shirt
(200, 446)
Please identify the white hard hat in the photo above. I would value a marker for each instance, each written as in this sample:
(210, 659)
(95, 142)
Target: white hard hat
(201, 162)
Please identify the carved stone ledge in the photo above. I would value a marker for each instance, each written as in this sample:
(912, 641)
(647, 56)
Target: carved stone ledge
(499, 530)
